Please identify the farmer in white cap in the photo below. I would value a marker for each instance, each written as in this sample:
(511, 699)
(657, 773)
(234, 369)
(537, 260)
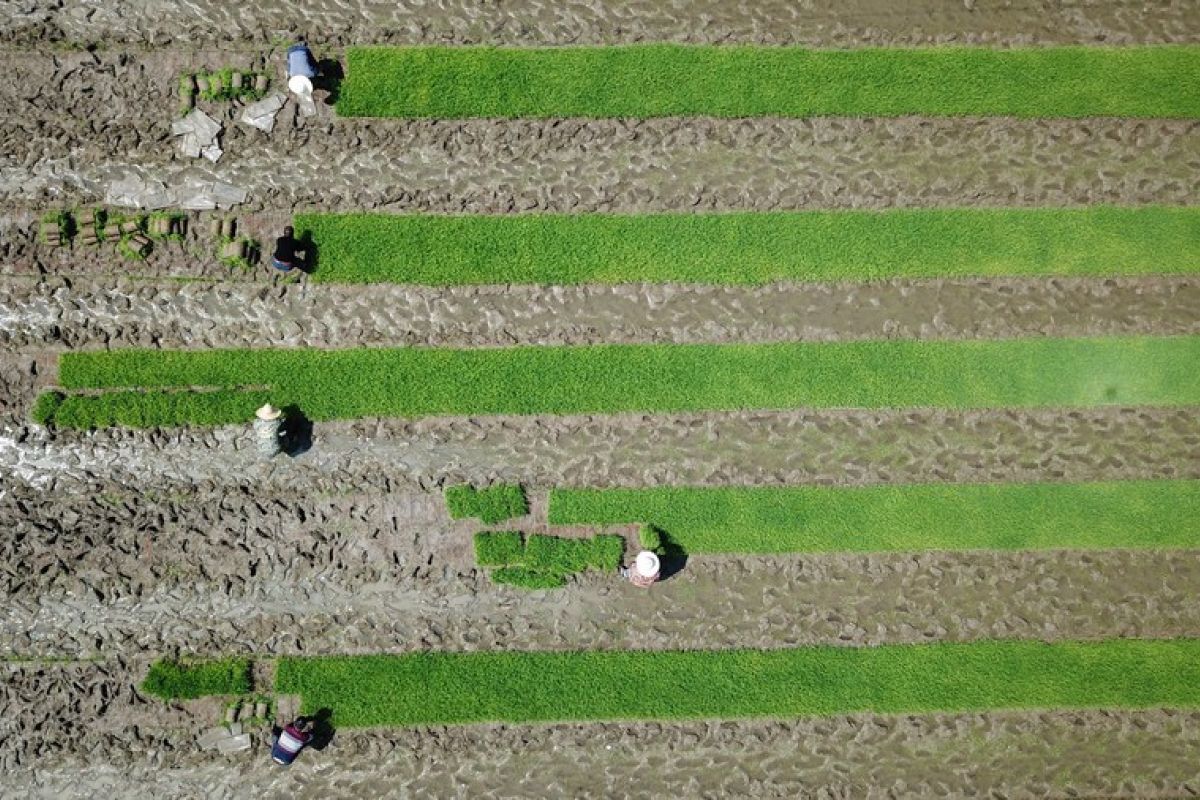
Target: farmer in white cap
(301, 69)
(645, 569)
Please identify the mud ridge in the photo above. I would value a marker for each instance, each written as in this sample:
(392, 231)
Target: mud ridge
(672, 164)
(536, 22)
(95, 314)
(836, 446)
(295, 602)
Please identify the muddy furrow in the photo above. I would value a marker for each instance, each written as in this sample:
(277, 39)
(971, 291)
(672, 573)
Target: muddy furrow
(537, 22)
(836, 446)
(92, 314)
(295, 603)
(134, 746)
(672, 164)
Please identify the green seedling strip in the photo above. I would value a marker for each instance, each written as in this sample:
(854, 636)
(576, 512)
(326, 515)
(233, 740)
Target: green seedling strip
(752, 248)
(491, 505)
(415, 382)
(439, 688)
(171, 680)
(661, 80)
(1119, 514)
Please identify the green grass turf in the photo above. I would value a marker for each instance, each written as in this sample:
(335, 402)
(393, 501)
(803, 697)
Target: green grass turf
(499, 548)
(170, 679)
(656, 80)
(414, 382)
(1119, 514)
(490, 505)
(752, 248)
(434, 688)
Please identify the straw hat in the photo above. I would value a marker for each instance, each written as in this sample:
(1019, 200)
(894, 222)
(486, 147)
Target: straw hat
(298, 84)
(268, 412)
(646, 563)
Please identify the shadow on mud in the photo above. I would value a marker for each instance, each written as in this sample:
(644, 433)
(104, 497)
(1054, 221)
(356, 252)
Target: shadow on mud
(296, 436)
(329, 77)
(673, 558)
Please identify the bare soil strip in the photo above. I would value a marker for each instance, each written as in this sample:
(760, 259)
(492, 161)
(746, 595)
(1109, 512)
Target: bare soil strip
(852, 23)
(837, 447)
(140, 746)
(97, 117)
(315, 593)
(87, 314)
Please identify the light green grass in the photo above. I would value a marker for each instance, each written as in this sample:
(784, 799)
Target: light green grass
(752, 248)
(1119, 514)
(415, 382)
(435, 688)
(658, 80)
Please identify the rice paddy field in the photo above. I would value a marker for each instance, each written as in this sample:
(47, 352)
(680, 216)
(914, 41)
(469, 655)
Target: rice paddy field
(878, 323)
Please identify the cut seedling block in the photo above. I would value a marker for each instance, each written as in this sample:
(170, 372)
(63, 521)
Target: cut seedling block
(261, 83)
(235, 249)
(112, 233)
(130, 226)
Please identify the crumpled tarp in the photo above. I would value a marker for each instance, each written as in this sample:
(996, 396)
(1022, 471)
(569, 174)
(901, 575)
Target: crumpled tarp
(192, 192)
(262, 114)
(199, 134)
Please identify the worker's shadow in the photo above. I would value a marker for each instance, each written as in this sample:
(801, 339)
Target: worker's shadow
(673, 559)
(308, 262)
(329, 77)
(296, 437)
(323, 729)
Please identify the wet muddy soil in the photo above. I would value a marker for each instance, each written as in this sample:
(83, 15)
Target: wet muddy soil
(494, 166)
(836, 447)
(850, 23)
(99, 313)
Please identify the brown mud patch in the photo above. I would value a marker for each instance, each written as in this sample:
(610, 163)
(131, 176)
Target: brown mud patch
(671, 164)
(847, 23)
(64, 601)
(87, 314)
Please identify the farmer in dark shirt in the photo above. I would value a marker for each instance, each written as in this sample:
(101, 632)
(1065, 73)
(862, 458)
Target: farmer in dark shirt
(285, 258)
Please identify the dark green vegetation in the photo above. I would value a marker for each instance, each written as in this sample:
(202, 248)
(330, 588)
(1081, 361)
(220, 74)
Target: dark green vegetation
(491, 505)
(752, 248)
(660, 80)
(413, 382)
(526, 578)
(1132, 514)
(136, 409)
(170, 679)
(544, 562)
(556, 554)
(499, 548)
(433, 688)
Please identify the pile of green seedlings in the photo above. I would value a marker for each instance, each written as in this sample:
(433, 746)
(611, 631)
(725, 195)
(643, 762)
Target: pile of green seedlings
(221, 84)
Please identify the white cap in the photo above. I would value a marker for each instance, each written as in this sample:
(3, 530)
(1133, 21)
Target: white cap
(300, 85)
(268, 412)
(647, 564)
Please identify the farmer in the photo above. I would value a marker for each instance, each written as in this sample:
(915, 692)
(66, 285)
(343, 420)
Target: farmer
(284, 258)
(291, 740)
(300, 63)
(645, 570)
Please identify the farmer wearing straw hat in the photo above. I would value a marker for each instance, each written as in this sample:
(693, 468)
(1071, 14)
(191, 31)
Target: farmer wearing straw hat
(645, 570)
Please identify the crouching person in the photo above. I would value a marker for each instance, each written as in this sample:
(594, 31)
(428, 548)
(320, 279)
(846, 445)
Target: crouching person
(645, 570)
